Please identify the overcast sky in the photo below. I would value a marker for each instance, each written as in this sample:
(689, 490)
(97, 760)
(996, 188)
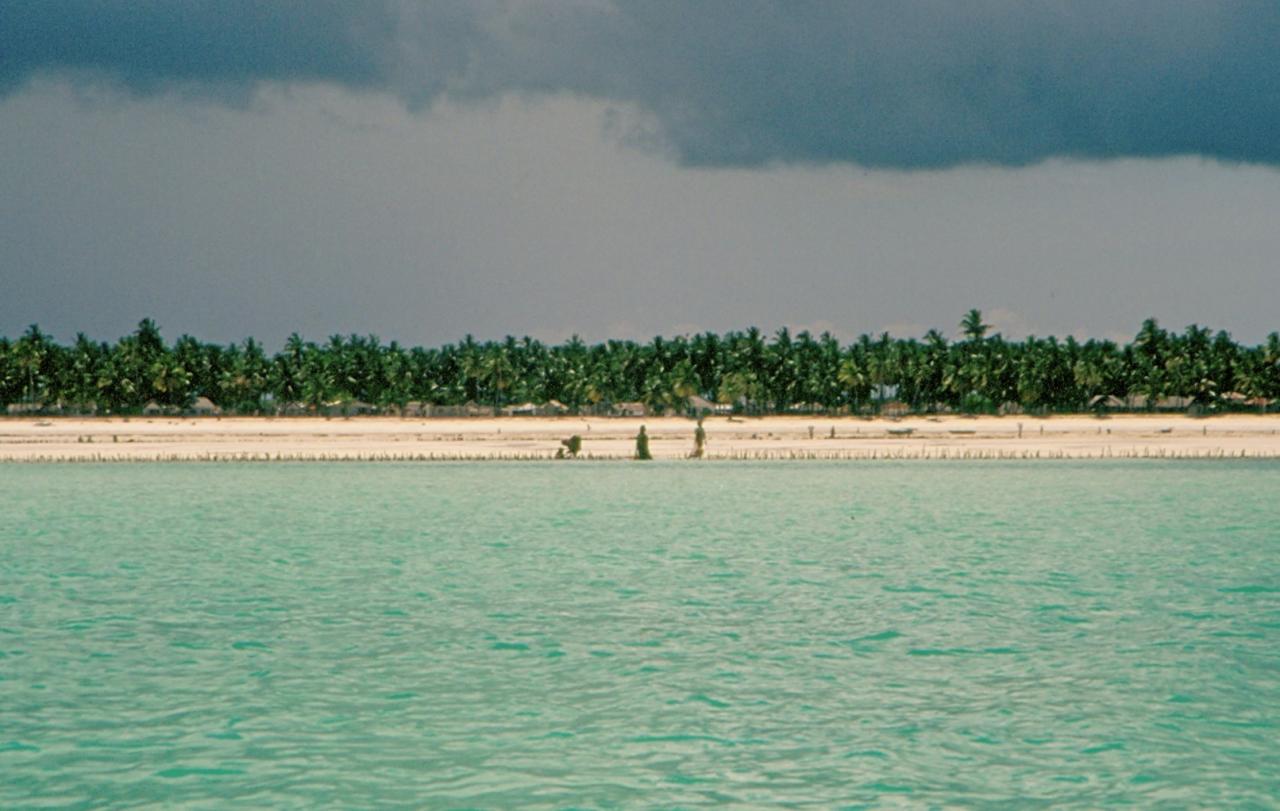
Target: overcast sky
(615, 169)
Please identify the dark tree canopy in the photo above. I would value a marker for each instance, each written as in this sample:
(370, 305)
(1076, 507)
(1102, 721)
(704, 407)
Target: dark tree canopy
(742, 371)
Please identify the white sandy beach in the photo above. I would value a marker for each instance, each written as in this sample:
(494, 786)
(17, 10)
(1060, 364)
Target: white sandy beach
(389, 438)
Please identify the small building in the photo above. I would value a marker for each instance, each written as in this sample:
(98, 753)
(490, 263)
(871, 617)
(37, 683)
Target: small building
(808, 408)
(1106, 402)
(469, 409)
(895, 408)
(204, 407)
(521, 410)
(348, 408)
(293, 408)
(415, 408)
(1233, 398)
(153, 409)
(1141, 402)
(632, 409)
(551, 408)
(701, 406)
(19, 409)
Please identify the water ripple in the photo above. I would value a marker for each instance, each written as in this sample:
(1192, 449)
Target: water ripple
(1044, 636)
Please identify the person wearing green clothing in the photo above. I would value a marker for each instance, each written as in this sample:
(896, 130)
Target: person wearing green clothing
(642, 445)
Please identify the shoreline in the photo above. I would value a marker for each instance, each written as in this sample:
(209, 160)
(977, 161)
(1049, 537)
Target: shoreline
(222, 439)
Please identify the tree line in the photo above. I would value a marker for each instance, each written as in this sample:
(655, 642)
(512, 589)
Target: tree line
(746, 370)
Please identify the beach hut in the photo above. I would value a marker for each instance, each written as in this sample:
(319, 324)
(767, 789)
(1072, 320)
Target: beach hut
(633, 409)
(204, 407)
(1106, 402)
(416, 408)
(152, 409)
(807, 408)
(521, 410)
(18, 409)
(701, 406)
(468, 409)
(1233, 399)
(1174, 403)
(348, 408)
(554, 408)
(894, 408)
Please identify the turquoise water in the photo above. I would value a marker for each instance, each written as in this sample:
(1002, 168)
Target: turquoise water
(624, 635)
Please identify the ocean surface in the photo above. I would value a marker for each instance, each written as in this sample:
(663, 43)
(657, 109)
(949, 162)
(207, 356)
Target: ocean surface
(626, 635)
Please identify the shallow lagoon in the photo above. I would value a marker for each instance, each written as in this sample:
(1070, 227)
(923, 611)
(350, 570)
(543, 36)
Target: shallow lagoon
(593, 635)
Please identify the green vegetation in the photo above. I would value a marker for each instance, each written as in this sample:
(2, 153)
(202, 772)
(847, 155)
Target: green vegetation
(742, 371)
(572, 446)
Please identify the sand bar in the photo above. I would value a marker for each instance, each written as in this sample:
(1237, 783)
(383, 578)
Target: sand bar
(791, 437)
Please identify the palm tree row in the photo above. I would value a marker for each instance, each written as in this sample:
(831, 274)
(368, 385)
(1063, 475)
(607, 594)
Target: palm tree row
(745, 370)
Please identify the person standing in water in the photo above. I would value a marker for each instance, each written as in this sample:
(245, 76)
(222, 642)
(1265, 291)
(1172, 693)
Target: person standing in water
(699, 440)
(642, 445)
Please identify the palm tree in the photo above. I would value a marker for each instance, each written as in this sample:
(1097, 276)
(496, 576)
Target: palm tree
(170, 382)
(854, 382)
(882, 365)
(34, 356)
(497, 371)
(1150, 350)
(80, 384)
(244, 377)
(287, 379)
(136, 360)
(10, 387)
(738, 387)
(928, 364)
(972, 327)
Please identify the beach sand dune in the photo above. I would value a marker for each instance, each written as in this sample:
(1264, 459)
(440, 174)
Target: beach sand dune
(800, 437)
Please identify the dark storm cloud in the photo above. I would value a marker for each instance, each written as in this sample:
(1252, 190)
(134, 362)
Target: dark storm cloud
(909, 84)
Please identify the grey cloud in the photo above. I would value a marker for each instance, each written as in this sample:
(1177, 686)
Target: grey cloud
(910, 84)
(150, 46)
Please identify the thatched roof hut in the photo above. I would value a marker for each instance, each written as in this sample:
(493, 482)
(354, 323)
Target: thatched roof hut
(204, 407)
